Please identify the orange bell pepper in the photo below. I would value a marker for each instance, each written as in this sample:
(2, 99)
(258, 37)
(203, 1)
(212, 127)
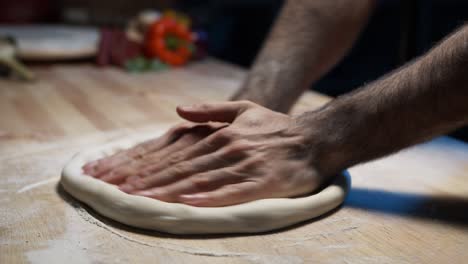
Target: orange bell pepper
(169, 41)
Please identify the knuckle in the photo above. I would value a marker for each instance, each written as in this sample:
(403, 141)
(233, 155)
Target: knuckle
(238, 147)
(236, 176)
(275, 179)
(133, 178)
(188, 137)
(222, 136)
(201, 181)
(148, 146)
(184, 167)
(141, 184)
(179, 129)
(138, 151)
(236, 192)
(253, 164)
(145, 173)
(175, 158)
(243, 144)
(179, 168)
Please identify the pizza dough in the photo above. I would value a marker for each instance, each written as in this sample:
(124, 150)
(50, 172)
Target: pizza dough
(256, 216)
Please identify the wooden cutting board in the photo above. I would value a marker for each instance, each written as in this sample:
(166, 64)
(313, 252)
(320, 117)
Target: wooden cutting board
(408, 208)
(53, 42)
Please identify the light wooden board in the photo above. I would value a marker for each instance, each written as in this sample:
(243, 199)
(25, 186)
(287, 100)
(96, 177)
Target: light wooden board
(408, 208)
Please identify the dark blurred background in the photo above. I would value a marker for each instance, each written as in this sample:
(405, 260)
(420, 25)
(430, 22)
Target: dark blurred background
(397, 32)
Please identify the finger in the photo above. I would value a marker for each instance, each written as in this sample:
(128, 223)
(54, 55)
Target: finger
(119, 174)
(202, 163)
(153, 161)
(104, 165)
(226, 195)
(217, 112)
(161, 171)
(202, 182)
(188, 139)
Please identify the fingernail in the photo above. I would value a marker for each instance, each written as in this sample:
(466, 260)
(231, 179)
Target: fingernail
(89, 172)
(143, 193)
(92, 171)
(91, 165)
(85, 170)
(188, 107)
(191, 197)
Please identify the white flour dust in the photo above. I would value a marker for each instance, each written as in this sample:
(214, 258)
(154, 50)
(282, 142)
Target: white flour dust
(253, 258)
(37, 184)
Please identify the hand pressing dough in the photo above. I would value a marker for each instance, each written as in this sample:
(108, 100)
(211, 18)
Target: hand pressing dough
(252, 217)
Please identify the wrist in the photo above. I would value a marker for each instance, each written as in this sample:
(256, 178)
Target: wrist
(329, 136)
(272, 85)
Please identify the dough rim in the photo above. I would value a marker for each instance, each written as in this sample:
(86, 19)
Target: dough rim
(142, 212)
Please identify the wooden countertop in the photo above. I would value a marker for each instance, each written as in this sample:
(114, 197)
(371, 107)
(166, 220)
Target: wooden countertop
(408, 208)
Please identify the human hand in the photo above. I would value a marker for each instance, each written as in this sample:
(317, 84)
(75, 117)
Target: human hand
(250, 153)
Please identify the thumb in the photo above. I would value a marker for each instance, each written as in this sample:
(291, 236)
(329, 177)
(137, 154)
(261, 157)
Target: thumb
(217, 112)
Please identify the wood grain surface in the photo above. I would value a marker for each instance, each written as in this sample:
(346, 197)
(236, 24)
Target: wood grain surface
(411, 207)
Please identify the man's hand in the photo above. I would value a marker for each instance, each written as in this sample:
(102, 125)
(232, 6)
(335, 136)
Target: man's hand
(241, 152)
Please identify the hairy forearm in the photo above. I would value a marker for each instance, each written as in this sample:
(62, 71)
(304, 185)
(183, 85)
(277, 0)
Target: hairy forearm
(423, 99)
(308, 38)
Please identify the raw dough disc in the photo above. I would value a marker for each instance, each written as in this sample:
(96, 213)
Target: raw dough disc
(257, 216)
